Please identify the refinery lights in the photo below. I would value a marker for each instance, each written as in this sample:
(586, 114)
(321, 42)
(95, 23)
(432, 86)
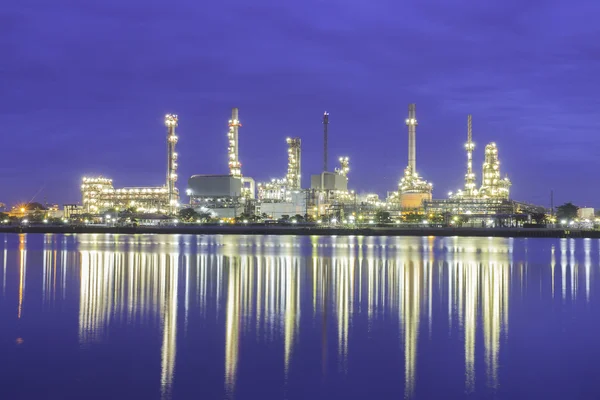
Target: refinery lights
(98, 193)
(235, 166)
(492, 186)
(413, 190)
(171, 122)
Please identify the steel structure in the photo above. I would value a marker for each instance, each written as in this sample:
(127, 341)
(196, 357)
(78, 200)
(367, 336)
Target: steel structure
(93, 193)
(325, 125)
(98, 194)
(293, 177)
(235, 167)
(173, 200)
(344, 167)
(280, 190)
(474, 207)
(413, 189)
(275, 190)
(411, 122)
(470, 189)
(492, 185)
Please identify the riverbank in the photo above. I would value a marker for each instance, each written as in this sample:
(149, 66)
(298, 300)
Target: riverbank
(305, 230)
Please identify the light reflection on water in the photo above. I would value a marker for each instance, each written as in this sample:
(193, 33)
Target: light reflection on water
(284, 290)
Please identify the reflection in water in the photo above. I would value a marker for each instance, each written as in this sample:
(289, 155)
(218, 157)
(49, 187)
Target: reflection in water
(232, 328)
(4, 269)
(411, 283)
(126, 288)
(258, 287)
(22, 271)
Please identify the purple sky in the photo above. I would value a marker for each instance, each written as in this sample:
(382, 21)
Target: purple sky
(85, 85)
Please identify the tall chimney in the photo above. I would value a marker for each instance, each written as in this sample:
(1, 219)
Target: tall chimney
(411, 122)
(325, 123)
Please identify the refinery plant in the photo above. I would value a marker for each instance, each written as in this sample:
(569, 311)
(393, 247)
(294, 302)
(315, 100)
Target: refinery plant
(328, 199)
(491, 201)
(225, 196)
(98, 193)
(412, 189)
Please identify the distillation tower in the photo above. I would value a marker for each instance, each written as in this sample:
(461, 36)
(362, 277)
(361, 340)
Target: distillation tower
(293, 177)
(280, 190)
(492, 185)
(492, 197)
(171, 124)
(413, 190)
(470, 189)
(235, 167)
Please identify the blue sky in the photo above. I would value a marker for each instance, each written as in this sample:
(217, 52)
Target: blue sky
(85, 86)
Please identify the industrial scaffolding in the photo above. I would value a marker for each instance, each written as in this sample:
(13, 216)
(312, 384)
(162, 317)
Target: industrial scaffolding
(492, 186)
(293, 177)
(491, 201)
(235, 166)
(413, 190)
(98, 193)
(173, 193)
(280, 190)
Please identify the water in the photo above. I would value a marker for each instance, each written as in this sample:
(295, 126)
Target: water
(266, 317)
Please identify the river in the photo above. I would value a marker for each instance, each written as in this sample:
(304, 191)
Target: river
(101, 316)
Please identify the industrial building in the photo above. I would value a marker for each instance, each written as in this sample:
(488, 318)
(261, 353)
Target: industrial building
(295, 205)
(490, 204)
(280, 190)
(586, 213)
(413, 191)
(98, 193)
(281, 197)
(220, 194)
(224, 196)
(328, 194)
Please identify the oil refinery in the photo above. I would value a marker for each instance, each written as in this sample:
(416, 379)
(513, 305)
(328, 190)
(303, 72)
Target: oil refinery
(413, 190)
(98, 193)
(230, 194)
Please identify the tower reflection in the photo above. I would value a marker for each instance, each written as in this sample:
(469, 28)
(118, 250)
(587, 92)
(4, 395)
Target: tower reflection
(22, 271)
(275, 289)
(130, 288)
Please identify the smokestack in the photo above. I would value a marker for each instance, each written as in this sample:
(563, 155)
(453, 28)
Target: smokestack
(411, 122)
(325, 123)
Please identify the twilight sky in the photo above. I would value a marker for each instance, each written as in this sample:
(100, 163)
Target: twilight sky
(85, 85)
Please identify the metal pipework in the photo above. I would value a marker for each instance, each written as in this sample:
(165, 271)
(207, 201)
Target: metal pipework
(411, 122)
(235, 167)
(171, 122)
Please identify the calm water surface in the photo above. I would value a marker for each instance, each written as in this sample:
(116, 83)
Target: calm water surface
(267, 317)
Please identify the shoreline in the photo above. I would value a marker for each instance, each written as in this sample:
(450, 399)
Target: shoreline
(310, 231)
